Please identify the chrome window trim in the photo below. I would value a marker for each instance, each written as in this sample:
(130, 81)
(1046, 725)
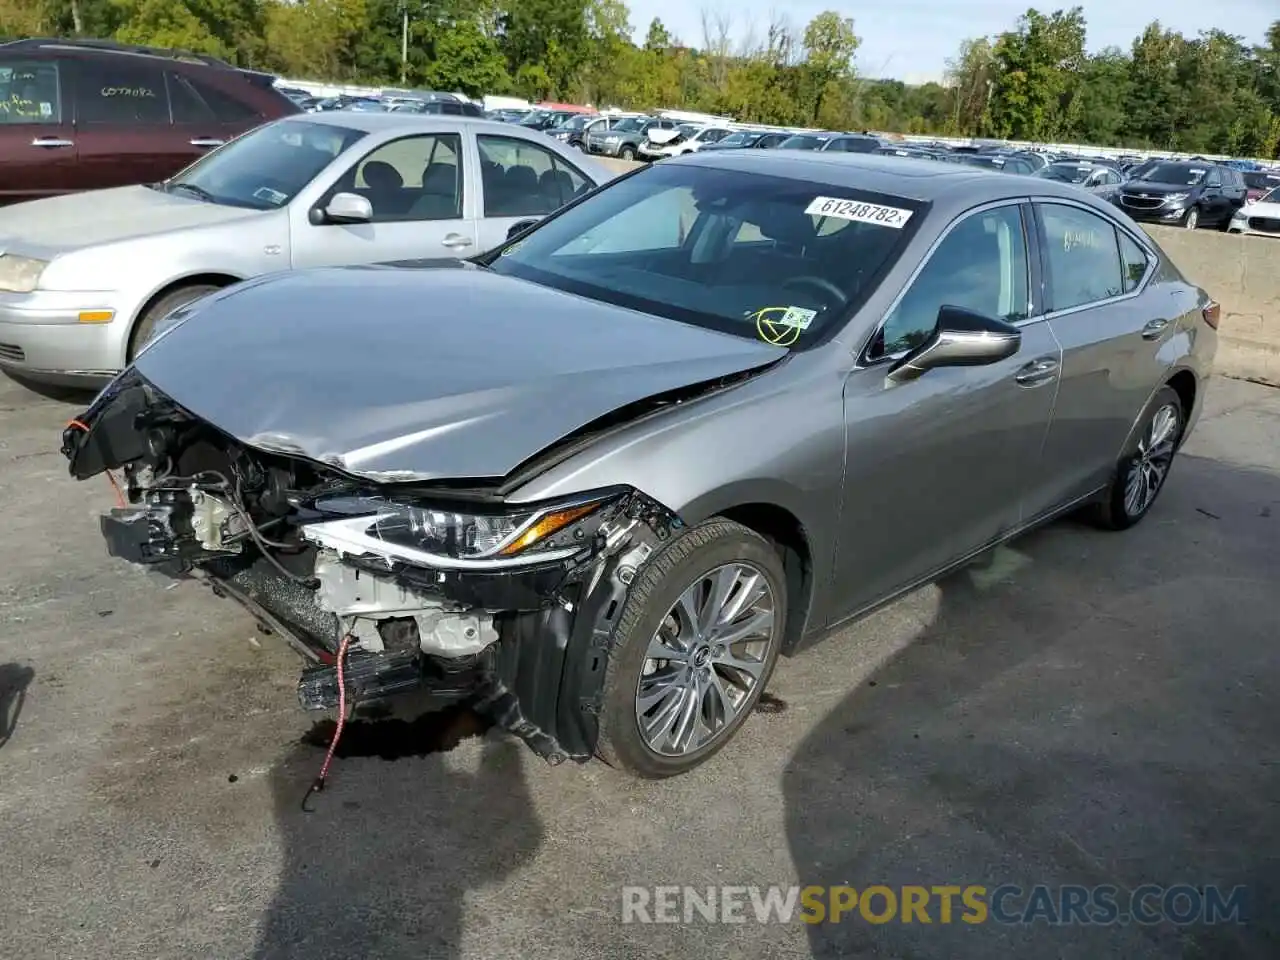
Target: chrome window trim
(864, 362)
(1143, 244)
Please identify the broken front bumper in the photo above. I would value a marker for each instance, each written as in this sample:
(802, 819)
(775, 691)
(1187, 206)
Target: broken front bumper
(526, 642)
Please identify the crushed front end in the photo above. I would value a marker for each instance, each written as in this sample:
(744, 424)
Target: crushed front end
(443, 588)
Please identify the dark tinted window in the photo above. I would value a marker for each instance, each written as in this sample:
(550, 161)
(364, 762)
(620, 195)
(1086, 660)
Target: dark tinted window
(981, 265)
(1262, 181)
(1178, 174)
(1215, 178)
(1017, 166)
(1084, 262)
(188, 107)
(29, 92)
(854, 145)
(1134, 262)
(225, 107)
(120, 90)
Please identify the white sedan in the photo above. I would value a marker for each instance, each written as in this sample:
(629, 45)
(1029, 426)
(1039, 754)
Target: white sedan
(1260, 217)
(85, 278)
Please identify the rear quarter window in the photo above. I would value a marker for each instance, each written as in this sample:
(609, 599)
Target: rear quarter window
(226, 107)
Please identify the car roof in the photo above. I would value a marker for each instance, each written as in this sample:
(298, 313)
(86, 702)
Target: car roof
(949, 187)
(384, 122)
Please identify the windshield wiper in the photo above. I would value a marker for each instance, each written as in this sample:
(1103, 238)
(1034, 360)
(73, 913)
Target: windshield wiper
(199, 192)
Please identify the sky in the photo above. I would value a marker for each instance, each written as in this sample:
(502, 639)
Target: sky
(911, 40)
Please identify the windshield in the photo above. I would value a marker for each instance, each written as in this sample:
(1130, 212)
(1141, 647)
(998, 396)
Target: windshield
(266, 167)
(1175, 173)
(1271, 196)
(1065, 173)
(801, 142)
(629, 124)
(728, 250)
(687, 129)
(736, 139)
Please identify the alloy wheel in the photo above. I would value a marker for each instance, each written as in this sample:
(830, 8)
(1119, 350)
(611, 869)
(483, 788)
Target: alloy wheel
(1150, 464)
(706, 661)
(1193, 219)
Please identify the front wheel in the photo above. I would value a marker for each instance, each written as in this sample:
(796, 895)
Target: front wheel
(695, 645)
(1192, 219)
(1141, 473)
(627, 153)
(146, 326)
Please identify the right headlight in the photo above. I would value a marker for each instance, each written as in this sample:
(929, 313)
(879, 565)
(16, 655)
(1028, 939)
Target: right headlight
(437, 535)
(20, 274)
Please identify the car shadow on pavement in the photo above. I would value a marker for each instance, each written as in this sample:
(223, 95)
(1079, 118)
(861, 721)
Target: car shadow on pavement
(382, 864)
(1105, 714)
(14, 680)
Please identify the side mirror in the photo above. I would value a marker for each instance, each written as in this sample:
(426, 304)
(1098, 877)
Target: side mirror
(961, 338)
(346, 208)
(519, 227)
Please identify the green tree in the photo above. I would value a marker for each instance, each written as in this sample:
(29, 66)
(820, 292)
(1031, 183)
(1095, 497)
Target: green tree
(1037, 71)
(830, 43)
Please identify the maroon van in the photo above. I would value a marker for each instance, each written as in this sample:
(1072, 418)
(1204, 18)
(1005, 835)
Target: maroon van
(84, 114)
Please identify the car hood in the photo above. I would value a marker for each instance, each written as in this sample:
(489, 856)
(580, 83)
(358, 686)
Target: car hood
(395, 374)
(45, 228)
(660, 135)
(1156, 189)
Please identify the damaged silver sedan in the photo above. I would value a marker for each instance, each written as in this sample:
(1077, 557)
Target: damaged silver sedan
(596, 482)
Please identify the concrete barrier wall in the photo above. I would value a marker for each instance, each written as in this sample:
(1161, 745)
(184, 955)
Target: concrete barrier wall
(1241, 273)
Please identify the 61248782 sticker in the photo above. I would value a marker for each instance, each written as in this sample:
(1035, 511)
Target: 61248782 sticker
(859, 212)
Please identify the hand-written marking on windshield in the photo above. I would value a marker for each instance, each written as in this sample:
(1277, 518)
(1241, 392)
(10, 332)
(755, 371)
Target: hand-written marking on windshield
(135, 92)
(894, 217)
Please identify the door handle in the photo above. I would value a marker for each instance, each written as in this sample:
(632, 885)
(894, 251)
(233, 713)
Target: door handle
(456, 241)
(51, 143)
(1153, 329)
(1038, 371)
(207, 142)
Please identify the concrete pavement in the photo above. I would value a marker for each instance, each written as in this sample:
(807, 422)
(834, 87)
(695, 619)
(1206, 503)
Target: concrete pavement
(1083, 708)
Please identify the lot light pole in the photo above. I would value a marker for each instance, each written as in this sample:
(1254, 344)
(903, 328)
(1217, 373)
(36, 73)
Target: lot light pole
(404, 43)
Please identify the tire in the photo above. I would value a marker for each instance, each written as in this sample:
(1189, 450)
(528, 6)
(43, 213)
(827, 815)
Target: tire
(716, 548)
(1116, 510)
(628, 152)
(1191, 219)
(581, 146)
(145, 328)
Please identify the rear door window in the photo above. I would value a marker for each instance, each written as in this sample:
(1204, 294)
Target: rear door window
(113, 90)
(29, 92)
(524, 179)
(1083, 257)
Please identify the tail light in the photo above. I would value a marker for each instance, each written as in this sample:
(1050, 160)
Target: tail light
(1212, 313)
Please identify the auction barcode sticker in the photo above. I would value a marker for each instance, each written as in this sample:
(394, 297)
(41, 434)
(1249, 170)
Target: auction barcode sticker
(859, 212)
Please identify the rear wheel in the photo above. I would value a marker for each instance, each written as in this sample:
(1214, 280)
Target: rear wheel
(1141, 473)
(695, 645)
(145, 328)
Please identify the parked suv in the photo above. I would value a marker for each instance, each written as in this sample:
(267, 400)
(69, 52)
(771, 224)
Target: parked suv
(1189, 193)
(84, 114)
(623, 139)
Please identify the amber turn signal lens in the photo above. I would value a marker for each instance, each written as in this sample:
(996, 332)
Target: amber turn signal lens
(545, 527)
(1213, 313)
